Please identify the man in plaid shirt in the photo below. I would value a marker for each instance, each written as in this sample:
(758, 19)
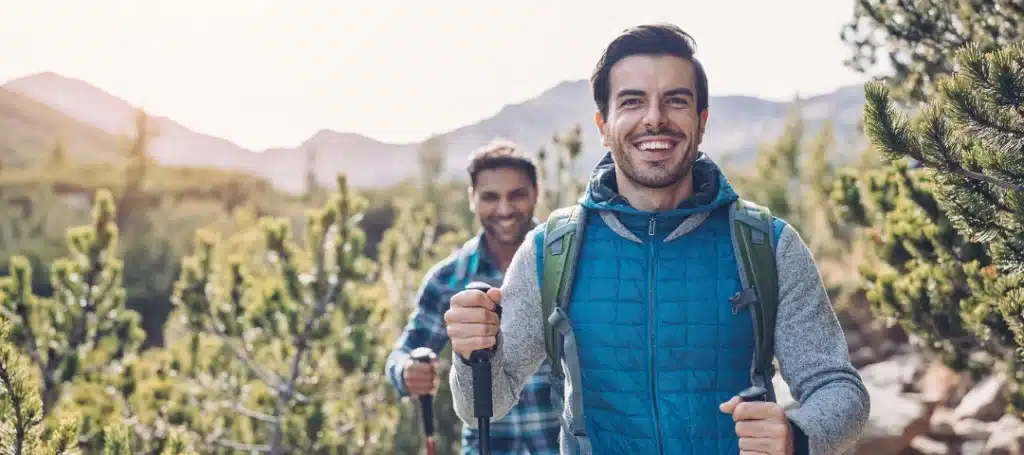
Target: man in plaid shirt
(503, 195)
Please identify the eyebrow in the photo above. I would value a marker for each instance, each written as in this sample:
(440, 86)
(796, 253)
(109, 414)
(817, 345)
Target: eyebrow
(680, 91)
(673, 92)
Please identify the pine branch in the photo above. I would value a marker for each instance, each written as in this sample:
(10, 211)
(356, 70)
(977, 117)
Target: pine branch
(260, 448)
(889, 131)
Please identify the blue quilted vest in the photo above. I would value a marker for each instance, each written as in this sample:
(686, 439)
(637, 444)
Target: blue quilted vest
(659, 346)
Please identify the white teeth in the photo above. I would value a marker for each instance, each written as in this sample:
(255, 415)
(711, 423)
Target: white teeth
(655, 145)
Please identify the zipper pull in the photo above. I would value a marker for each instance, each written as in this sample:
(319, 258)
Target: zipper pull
(650, 226)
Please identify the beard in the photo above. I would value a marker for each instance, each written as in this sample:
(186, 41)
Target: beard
(659, 175)
(513, 234)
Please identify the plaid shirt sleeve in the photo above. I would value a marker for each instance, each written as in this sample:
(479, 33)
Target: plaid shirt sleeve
(426, 324)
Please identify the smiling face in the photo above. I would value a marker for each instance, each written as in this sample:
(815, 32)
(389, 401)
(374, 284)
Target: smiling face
(504, 199)
(653, 126)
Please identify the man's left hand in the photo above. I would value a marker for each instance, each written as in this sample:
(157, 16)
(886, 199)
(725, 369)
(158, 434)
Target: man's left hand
(762, 427)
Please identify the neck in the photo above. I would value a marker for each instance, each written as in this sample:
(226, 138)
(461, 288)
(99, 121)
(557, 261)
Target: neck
(502, 253)
(654, 199)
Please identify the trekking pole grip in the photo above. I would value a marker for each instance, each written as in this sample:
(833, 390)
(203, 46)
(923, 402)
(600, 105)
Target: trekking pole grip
(424, 354)
(754, 393)
(480, 360)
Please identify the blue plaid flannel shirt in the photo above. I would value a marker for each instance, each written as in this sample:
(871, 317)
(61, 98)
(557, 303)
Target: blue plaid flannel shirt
(530, 427)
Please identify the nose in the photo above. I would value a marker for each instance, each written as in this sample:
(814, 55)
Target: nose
(654, 117)
(504, 207)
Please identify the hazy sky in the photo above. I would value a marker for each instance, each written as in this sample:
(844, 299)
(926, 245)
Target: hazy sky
(266, 73)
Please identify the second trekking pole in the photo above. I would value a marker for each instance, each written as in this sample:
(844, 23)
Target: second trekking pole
(480, 360)
(424, 354)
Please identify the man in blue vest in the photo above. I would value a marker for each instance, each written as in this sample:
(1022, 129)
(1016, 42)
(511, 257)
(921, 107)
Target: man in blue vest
(659, 324)
(503, 193)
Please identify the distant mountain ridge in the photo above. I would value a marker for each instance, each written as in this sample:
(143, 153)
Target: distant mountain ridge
(738, 124)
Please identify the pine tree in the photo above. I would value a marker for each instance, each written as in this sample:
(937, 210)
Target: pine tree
(973, 136)
(21, 408)
(409, 248)
(22, 428)
(58, 156)
(793, 176)
(84, 331)
(948, 236)
(558, 185)
(285, 355)
(919, 37)
(311, 187)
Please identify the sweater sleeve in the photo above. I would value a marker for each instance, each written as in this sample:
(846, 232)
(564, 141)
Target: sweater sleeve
(520, 346)
(813, 355)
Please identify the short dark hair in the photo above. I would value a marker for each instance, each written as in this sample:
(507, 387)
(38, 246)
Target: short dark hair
(497, 154)
(648, 39)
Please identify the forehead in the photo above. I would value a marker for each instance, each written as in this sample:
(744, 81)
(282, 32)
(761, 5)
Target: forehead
(652, 73)
(501, 180)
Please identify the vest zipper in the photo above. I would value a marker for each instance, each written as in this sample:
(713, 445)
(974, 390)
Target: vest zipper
(654, 382)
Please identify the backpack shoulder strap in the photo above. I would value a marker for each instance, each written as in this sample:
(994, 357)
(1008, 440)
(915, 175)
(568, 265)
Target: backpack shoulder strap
(754, 240)
(563, 233)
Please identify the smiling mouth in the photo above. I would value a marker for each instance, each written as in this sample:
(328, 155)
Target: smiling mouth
(506, 224)
(656, 145)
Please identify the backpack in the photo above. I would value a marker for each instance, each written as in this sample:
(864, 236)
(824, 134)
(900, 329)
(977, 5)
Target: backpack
(754, 240)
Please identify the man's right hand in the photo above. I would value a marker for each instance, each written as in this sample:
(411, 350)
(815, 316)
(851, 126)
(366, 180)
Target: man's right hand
(420, 377)
(472, 322)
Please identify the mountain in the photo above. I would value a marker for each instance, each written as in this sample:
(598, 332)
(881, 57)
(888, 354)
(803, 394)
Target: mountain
(29, 128)
(738, 124)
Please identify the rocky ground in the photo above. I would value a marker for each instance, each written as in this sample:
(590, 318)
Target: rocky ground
(920, 407)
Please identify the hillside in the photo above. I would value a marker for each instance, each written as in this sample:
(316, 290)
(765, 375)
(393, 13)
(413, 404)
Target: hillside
(29, 131)
(738, 124)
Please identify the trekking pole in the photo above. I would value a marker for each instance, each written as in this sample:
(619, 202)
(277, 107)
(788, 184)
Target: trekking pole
(481, 363)
(424, 354)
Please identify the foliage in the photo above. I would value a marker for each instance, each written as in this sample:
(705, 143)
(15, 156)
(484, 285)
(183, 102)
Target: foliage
(84, 330)
(558, 187)
(948, 236)
(409, 248)
(793, 177)
(284, 355)
(918, 37)
(21, 408)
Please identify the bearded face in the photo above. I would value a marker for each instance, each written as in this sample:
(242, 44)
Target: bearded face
(653, 127)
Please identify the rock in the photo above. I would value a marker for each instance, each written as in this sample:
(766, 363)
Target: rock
(896, 373)
(939, 384)
(863, 356)
(1007, 437)
(924, 445)
(941, 424)
(971, 429)
(893, 422)
(974, 447)
(984, 402)
(854, 340)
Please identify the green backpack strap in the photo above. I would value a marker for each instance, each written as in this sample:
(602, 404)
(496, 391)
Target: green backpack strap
(754, 239)
(562, 236)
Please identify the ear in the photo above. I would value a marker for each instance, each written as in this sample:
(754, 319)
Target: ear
(702, 125)
(601, 125)
(469, 196)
